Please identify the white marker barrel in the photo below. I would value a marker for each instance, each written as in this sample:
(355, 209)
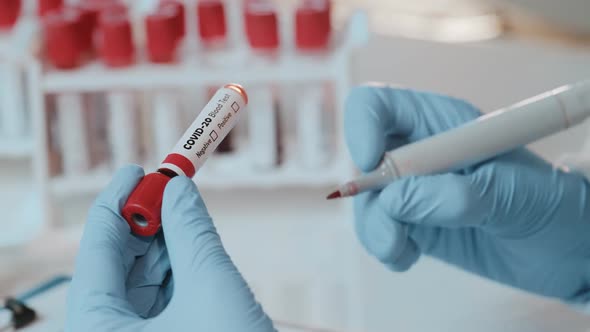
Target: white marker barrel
(203, 136)
(73, 137)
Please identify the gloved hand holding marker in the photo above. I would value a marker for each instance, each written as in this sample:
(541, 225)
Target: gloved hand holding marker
(481, 139)
(220, 115)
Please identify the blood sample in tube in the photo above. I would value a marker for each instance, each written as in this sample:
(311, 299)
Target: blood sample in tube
(9, 13)
(220, 115)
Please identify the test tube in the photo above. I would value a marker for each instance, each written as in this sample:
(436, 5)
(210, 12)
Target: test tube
(220, 115)
(162, 41)
(118, 51)
(261, 21)
(311, 127)
(264, 128)
(63, 49)
(9, 13)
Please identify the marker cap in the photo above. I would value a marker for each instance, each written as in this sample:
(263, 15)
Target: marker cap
(9, 13)
(313, 24)
(115, 38)
(211, 16)
(261, 24)
(61, 31)
(142, 211)
(162, 34)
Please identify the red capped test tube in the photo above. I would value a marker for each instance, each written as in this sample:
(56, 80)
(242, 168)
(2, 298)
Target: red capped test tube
(142, 209)
(211, 18)
(90, 11)
(115, 38)
(62, 39)
(9, 13)
(260, 17)
(313, 24)
(162, 34)
(180, 11)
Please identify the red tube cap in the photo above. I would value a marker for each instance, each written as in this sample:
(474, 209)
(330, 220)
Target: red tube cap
(115, 38)
(162, 35)
(313, 24)
(61, 31)
(46, 6)
(89, 13)
(143, 208)
(9, 13)
(261, 24)
(211, 15)
(180, 11)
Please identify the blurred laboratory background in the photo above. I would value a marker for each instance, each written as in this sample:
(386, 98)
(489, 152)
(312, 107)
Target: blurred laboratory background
(87, 86)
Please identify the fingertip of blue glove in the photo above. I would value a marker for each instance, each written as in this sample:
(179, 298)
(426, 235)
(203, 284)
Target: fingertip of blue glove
(363, 127)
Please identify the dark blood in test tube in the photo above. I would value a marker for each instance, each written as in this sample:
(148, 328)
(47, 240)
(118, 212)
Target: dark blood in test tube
(9, 13)
(279, 132)
(46, 6)
(211, 18)
(61, 34)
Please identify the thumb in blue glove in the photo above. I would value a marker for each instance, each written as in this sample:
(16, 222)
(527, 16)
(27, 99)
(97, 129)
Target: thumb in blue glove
(209, 292)
(514, 219)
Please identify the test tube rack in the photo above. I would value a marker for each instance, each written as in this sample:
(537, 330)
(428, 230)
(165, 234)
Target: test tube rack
(289, 67)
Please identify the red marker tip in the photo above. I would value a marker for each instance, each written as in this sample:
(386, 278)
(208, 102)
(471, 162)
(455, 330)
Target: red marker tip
(334, 195)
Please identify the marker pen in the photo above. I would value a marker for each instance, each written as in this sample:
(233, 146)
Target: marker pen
(220, 115)
(486, 137)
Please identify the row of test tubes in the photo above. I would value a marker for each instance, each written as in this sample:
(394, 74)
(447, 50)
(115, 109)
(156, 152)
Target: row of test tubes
(75, 33)
(142, 127)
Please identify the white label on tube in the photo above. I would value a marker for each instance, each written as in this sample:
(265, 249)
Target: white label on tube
(216, 120)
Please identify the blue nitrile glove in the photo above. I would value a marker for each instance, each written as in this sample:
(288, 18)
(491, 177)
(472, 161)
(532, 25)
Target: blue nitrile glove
(113, 290)
(514, 219)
